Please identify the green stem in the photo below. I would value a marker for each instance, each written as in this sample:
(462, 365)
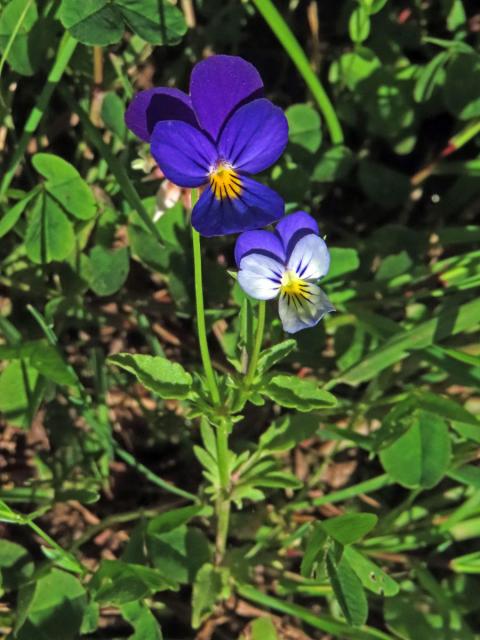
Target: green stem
(223, 499)
(291, 45)
(201, 327)
(65, 52)
(252, 365)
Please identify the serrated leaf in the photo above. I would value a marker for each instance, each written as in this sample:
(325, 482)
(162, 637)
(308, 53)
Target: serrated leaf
(298, 393)
(269, 357)
(167, 379)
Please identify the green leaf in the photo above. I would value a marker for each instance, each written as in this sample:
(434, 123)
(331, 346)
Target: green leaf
(298, 393)
(342, 261)
(356, 66)
(175, 518)
(371, 576)
(17, 385)
(269, 357)
(143, 621)
(334, 165)
(58, 602)
(16, 565)
(463, 98)
(264, 629)
(102, 22)
(9, 220)
(20, 56)
(350, 527)
(48, 361)
(178, 553)
(314, 550)
(304, 127)
(427, 448)
(119, 583)
(167, 379)
(49, 234)
(286, 432)
(449, 322)
(113, 114)
(109, 269)
(65, 185)
(210, 586)
(359, 25)
(431, 76)
(348, 590)
(468, 563)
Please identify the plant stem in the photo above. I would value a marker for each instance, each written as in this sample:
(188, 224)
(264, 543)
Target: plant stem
(201, 328)
(223, 499)
(65, 52)
(252, 365)
(291, 45)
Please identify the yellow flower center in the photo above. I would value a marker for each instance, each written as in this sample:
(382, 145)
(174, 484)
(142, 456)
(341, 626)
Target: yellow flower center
(294, 287)
(225, 181)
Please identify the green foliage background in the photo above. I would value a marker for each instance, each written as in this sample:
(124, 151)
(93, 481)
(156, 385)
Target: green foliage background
(354, 477)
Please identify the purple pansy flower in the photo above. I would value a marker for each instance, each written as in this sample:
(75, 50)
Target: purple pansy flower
(216, 137)
(286, 262)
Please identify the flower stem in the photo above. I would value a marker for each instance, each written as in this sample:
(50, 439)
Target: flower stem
(252, 365)
(223, 499)
(280, 28)
(201, 328)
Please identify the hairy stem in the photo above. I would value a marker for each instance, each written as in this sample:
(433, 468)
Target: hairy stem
(291, 45)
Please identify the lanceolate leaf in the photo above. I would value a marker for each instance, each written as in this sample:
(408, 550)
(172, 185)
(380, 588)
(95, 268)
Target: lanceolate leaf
(297, 393)
(348, 590)
(167, 379)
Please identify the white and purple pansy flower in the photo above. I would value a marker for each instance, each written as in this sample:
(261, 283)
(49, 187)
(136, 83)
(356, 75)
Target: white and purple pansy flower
(286, 263)
(216, 138)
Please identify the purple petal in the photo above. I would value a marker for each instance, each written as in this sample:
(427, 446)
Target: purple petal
(293, 228)
(220, 84)
(260, 276)
(254, 137)
(154, 105)
(262, 242)
(256, 206)
(183, 153)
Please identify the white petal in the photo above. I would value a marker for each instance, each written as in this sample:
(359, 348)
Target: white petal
(298, 313)
(259, 276)
(310, 258)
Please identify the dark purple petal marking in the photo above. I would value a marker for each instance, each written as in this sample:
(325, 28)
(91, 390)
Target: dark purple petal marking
(263, 242)
(154, 105)
(254, 137)
(220, 84)
(257, 206)
(184, 154)
(293, 228)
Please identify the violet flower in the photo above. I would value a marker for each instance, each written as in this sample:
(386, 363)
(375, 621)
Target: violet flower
(286, 263)
(216, 137)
